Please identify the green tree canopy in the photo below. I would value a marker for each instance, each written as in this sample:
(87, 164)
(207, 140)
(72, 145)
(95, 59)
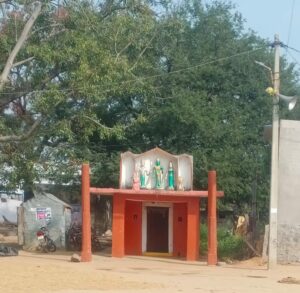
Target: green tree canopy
(110, 76)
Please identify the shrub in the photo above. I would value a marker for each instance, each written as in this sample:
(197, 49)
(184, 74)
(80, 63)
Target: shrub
(203, 239)
(229, 245)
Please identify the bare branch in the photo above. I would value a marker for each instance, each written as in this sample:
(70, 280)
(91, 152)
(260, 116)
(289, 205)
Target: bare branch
(115, 38)
(120, 52)
(23, 137)
(44, 27)
(19, 44)
(109, 8)
(22, 62)
(55, 33)
(16, 94)
(96, 122)
(142, 52)
(5, 1)
(26, 89)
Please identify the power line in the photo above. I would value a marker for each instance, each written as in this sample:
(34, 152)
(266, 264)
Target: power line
(286, 46)
(148, 77)
(293, 57)
(291, 21)
(95, 146)
(203, 64)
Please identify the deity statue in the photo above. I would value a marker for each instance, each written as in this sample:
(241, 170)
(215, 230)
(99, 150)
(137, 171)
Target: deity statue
(143, 173)
(171, 179)
(149, 179)
(158, 175)
(180, 186)
(136, 180)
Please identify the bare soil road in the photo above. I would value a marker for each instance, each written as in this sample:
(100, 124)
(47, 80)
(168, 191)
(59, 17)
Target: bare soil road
(45, 273)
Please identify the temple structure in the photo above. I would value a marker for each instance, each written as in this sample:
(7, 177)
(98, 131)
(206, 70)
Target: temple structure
(155, 209)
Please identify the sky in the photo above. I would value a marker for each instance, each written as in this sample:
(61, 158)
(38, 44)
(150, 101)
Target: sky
(270, 17)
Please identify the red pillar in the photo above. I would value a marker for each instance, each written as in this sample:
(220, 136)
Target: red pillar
(86, 250)
(192, 251)
(118, 228)
(212, 257)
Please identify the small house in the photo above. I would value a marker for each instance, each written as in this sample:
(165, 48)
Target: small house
(43, 210)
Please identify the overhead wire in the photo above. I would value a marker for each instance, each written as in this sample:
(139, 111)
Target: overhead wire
(291, 22)
(289, 47)
(293, 57)
(104, 146)
(148, 77)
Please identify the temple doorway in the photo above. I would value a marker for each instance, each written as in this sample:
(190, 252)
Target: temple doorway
(157, 229)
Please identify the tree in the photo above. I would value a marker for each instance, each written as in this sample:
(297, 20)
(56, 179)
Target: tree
(78, 56)
(110, 76)
(10, 64)
(217, 108)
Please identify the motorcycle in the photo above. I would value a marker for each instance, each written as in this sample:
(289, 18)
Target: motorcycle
(74, 239)
(46, 244)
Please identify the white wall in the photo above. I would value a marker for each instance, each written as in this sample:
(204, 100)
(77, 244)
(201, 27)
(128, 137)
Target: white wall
(182, 165)
(289, 192)
(9, 210)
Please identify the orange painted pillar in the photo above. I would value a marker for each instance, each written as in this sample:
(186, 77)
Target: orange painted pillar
(118, 226)
(86, 250)
(212, 257)
(192, 247)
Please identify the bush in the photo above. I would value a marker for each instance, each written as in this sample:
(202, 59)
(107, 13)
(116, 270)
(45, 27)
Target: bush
(203, 239)
(229, 245)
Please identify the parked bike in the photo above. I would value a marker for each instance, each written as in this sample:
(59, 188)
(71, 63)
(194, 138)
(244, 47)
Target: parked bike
(74, 239)
(46, 244)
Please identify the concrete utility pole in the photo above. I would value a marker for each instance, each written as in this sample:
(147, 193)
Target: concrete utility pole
(275, 155)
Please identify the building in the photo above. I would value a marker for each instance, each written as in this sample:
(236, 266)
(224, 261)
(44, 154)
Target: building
(43, 210)
(289, 192)
(155, 210)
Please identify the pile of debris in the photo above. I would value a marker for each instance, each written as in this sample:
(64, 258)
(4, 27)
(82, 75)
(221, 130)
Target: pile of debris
(105, 238)
(8, 228)
(8, 251)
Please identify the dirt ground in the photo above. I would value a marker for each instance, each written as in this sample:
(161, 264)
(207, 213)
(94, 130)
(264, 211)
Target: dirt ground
(45, 273)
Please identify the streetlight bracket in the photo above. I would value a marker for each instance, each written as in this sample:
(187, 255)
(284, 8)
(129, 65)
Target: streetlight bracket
(266, 67)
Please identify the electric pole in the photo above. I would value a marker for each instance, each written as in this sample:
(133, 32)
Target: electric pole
(275, 156)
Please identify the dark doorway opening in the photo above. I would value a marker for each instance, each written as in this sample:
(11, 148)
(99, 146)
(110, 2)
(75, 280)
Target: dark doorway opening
(157, 229)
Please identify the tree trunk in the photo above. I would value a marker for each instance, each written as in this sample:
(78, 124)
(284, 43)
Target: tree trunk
(22, 39)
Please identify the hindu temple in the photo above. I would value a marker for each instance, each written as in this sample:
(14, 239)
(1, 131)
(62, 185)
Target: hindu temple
(156, 212)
